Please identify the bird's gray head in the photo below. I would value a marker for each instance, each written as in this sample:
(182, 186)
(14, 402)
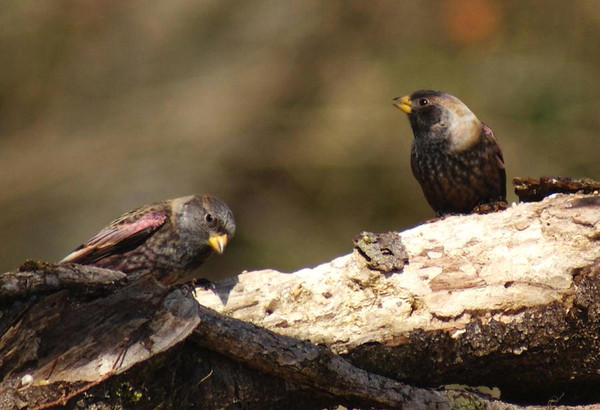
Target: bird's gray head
(207, 218)
(439, 116)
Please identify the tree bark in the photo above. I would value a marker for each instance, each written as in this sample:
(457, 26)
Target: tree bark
(506, 300)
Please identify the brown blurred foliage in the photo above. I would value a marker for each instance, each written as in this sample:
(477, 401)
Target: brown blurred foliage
(282, 109)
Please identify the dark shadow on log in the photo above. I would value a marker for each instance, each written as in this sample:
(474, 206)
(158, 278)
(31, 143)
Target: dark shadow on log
(63, 343)
(304, 363)
(191, 377)
(551, 352)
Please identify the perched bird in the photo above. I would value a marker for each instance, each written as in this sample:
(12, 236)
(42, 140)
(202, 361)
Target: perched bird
(169, 238)
(455, 157)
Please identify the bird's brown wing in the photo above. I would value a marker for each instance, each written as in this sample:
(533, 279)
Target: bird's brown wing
(122, 235)
(493, 143)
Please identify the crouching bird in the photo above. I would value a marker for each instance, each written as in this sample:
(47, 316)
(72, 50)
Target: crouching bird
(455, 157)
(169, 239)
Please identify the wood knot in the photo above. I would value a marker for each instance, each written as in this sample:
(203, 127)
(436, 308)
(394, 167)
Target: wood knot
(384, 252)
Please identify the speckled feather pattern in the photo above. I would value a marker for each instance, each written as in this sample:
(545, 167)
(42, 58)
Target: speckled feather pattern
(156, 254)
(456, 182)
(169, 238)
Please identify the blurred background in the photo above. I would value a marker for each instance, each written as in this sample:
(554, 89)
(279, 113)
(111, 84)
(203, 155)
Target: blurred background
(282, 109)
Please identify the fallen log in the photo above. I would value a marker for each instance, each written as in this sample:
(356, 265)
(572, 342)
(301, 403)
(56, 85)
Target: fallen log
(507, 300)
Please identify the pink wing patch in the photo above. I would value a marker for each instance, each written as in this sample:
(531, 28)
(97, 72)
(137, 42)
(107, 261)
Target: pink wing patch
(118, 237)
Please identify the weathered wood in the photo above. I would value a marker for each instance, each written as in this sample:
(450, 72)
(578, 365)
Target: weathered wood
(36, 278)
(64, 349)
(509, 299)
(62, 344)
(304, 363)
(505, 299)
(531, 190)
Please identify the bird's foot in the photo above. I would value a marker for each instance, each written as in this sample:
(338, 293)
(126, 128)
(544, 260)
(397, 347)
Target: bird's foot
(204, 283)
(490, 207)
(441, 215)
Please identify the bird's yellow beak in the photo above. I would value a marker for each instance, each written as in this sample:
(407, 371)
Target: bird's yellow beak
(218, 242)
(403, 104)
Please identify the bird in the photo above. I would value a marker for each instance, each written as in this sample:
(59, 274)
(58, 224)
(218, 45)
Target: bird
(454, 156)
(169, 239)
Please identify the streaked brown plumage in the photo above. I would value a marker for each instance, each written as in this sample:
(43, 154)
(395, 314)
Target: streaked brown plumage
(455, 157)
(169, 238)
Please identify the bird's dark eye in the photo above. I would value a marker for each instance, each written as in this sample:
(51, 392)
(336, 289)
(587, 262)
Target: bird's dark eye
(208, 218)
(423, 102)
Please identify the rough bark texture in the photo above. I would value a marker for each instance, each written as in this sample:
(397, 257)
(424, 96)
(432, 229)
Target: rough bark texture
(56, 346)
(507, 300)
(531, 190)
(36, 278)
